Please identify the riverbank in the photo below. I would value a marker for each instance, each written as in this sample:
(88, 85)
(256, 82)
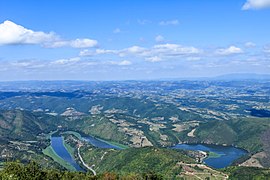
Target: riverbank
(52, 154)
(85, 165)
(83, 138)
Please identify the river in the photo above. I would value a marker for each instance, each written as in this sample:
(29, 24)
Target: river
(60, 150)
(224, 155)
(57, 143)
(100, 143)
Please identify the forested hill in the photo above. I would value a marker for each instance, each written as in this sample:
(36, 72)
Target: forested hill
(25, 125)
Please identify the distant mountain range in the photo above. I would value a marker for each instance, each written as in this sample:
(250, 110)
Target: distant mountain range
(225, 77)
(43, 84)
(243, 76)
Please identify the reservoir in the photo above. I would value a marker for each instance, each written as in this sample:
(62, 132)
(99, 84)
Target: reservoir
(100, 143)
(60, 150)
(224, 155)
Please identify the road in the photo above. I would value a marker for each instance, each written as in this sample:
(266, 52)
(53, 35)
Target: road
(85, 165)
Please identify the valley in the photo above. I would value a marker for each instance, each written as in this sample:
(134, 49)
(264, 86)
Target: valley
(115, 122)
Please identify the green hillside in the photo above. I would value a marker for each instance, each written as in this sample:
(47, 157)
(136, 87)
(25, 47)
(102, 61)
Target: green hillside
(245, 133)
(136, 160)
(236, 173)
(24, 125)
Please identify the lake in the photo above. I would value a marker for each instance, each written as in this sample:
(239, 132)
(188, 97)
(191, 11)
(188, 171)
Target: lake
(100, 143)
(226, 154)
(60, 150)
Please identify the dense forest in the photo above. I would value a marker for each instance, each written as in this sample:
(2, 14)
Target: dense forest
(32, 171)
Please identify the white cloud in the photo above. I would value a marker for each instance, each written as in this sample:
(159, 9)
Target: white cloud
(155, 53)
(87, 52)
(229, 51)
(77, 43)
(169, 22)
(83, 43)
(121, 63)
(153, 59)
(133, 50)
(117, 30)
(159, 38)
(174, 49)
(159, 52)
(256, 4)
(250, 44)
(21, 63)
(66, 61)
(11, 33)
(124, 63)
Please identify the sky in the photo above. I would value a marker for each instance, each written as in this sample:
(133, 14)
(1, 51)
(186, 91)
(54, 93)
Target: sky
(132, 39)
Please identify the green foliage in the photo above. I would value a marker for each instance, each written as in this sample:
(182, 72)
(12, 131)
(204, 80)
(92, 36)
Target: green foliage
(137, 160)
(245, 132)
(25, 125)
(237, 172)
(213, 155)
(99, 126)
(32, 171)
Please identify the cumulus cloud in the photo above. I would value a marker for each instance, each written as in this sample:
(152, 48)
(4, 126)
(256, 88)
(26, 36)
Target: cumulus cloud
(12, 34)
(229, 51)
(159, 38)
(256, 4)
(169, 22)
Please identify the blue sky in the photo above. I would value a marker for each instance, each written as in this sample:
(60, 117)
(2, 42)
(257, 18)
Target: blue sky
(128, 39)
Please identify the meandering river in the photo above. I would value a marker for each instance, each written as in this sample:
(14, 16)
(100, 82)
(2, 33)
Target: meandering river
(57, 144)
(225, 155)
(100, 143)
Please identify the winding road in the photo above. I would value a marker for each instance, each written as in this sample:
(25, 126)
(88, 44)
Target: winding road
(85, 165)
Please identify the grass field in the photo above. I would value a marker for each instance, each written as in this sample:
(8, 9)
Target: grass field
(70, 149)
(51, 153)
